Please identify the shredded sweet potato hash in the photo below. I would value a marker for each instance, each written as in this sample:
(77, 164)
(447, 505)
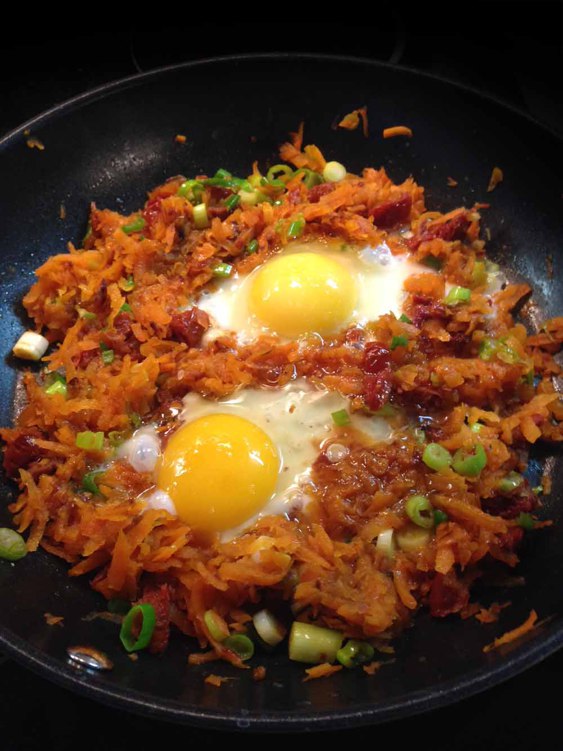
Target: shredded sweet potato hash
(461, 373)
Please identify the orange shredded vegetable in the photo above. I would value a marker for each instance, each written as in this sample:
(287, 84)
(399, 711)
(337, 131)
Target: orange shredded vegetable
(397, 130)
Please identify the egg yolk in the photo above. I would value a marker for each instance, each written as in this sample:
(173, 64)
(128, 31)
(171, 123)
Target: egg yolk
(302, 293)
(219, 470)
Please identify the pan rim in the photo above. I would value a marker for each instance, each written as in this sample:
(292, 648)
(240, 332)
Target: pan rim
(441, 694)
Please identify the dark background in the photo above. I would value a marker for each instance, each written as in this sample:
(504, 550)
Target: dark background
(511, 50)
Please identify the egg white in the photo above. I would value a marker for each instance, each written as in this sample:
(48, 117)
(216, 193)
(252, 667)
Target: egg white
(378, 274)
(298, 420)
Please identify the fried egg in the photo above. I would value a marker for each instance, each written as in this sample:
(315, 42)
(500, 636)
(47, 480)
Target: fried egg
(238, 459)
(309, 288)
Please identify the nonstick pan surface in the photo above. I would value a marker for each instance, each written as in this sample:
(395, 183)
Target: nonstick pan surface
(112, 145)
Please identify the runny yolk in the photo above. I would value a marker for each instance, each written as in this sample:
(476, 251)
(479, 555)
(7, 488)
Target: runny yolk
(302, 293)
(219, 470)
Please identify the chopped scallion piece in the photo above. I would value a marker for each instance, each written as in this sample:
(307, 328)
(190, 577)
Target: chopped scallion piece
(90, 441)
(526, 521)
(12, 545)
(398, 341)
(222, 270)
(404, 318)
(432, 262)
(85, 314)
(386, 543)
(412, 538)
(470, 465)
(313, 644)
(125, 308)
(458, 295)
(440, 517)
(341, 418)
(476, 427)
(355, 653)
(252, 247)
(269, 628)
(334, 171)
(420, 511)
(479, 274)
(277, 171)
(108, 355)
(127, 285)
(135, 636)
(311, 178)
(135, 226)
(116, 437)
(135, 419)
(89, 482)
(201, 219)
(419, 436)
(223, 173)
(509, 483)
(232, 201)
(436, 457)
(249, 197)
(57, 387)
(216, 626)
(296, 228)
(241, 645)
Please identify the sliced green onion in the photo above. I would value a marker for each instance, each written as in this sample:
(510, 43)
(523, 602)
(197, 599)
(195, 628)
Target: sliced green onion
(404, 318)
(311, 178)
(529, 377)
(440, 517)
(506, 353)
(509, 483)
(117, 437)
(135, 226)
(313, 644)
(241, 645)
(526, 521)
(223, 173)
(476, 427)
(86, 315)
(148, 621)
(296, 228)
(57, 385)
(252, 247)
(216, 626)
(419, 436)
(432, 262)
(89, 482)
(413, 538)
(355, 653)
(249, 197)
(135, 419)
(232, 201)
(386, 543)
(278, 170)
(398, 341)
(436, 457)
(487, 349)
(12, 545)
(90, 441)
(478, 274)
(118, 606)
(108, 355)
(334, 171)
(269, 628)
(222, 270)
(419, 510)
(538, 490)
(125, 308)
(458, 295)
(192, 190)
(201, 219)
(127, 285)
(470, 465)
(341, 418)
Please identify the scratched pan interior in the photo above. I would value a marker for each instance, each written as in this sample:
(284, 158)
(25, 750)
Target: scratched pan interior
(110, 146)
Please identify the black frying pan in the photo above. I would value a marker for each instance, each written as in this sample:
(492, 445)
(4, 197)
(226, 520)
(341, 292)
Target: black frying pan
(115, 143)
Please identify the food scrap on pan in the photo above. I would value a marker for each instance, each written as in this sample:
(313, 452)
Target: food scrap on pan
(352, 120)
(284, 411)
